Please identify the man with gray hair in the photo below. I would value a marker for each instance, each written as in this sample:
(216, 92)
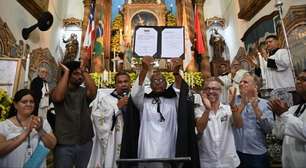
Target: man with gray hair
(214, 124)
(40, 88)
(257, 122)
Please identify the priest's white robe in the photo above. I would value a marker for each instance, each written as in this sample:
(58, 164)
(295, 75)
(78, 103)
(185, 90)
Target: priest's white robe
(293, 131)
(156, 139)
(106, 142)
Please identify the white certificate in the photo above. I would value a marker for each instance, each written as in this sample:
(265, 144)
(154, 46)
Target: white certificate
(146, 41)
(172, 42)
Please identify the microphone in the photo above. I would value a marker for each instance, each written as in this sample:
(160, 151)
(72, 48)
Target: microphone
(126, 93)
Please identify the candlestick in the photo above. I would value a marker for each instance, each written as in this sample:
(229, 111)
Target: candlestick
(26, 73)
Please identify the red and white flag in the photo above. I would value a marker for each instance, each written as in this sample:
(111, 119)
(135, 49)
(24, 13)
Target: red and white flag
(200, 48)
(90, 31)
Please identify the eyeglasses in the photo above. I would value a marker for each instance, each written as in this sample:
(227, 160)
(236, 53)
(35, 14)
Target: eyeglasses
(160, 80)
(212, 88)
(301, 78)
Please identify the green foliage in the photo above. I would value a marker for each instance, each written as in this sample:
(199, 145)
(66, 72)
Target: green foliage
(193, 79)
(117, 24)
(171, 19)
(5, 103)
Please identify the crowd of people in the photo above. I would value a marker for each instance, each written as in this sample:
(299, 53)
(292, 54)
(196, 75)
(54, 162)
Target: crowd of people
(225, 124)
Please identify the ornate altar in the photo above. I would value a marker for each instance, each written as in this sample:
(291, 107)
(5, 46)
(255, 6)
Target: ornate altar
(43, 57)
(142, 14)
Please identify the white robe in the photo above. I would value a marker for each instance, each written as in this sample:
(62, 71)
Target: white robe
(156, 139)
(106, 143)
(44, 101)
(282, 77)
(292, 129)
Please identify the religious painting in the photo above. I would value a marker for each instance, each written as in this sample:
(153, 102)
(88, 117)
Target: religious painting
(143, 19)
(9, 74)
(259, 30)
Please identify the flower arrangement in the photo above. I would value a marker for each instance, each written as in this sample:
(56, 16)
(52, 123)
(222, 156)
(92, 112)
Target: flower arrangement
(5, 103)
(107, 79)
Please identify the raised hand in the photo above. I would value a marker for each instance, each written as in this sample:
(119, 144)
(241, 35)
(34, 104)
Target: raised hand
(147, 62)
(232, 92)
(122, 102)
(176, 64)
(64, 67)
(278, 106)
(36, 123)
(205, 101)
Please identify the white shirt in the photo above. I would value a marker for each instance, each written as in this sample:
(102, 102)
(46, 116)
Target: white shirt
(17, 157)
(292, 129)
(216, 145)
(44, 101)
(156, 139)
(282, 77)
(106, 142)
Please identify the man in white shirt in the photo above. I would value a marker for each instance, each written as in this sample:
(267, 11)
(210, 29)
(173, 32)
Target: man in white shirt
(108, 123)
(279, 71)
(165, 120)
(214, 124)
(291, 125)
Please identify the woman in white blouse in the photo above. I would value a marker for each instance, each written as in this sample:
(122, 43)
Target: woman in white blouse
(22, 131)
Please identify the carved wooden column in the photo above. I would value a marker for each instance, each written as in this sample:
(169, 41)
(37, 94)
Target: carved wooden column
(107, 4)
(205, 66)
(84, 27)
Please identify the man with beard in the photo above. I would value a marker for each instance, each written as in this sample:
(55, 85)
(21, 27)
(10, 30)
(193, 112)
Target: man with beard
(109, 108)
(73, 127)
(291, 126)
(162, 126)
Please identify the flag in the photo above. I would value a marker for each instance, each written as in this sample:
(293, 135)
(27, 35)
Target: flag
(99, 36)
(198, 33)
(90, 35)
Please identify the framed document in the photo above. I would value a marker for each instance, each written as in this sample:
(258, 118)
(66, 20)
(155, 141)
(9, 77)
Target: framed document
(9, 74)
(159, 41)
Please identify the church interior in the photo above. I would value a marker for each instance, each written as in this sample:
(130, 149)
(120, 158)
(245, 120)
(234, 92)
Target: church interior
(227, 30)
(100, 33)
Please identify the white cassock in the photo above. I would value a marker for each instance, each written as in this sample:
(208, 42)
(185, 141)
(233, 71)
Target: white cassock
(44, 101)
(282, 77)
(106, 142)
(293, 131)
(156, 139)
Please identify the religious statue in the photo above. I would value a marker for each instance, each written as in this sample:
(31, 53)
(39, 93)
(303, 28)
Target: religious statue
(218, 44)
(20, 48)
(72, 48)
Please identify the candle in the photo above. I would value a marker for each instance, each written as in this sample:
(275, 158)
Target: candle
(105, 75)
(26, 73)
(114, 64)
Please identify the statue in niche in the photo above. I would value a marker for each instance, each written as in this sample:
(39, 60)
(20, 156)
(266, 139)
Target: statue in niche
(218, 44)
(72, 48)
(20, 49)
(26, 50)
